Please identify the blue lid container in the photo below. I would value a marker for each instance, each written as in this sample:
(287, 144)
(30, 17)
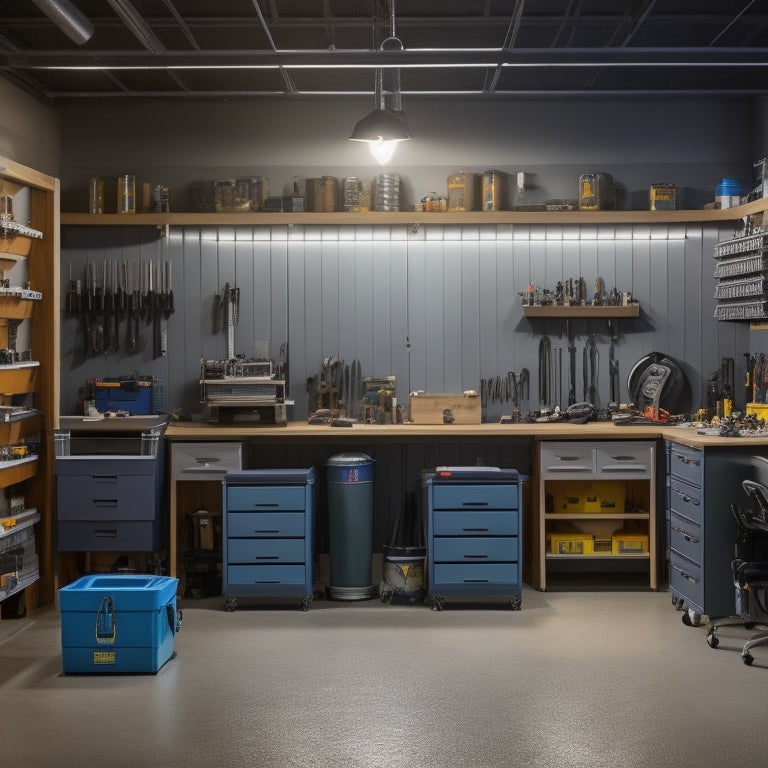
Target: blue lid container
(729, 187)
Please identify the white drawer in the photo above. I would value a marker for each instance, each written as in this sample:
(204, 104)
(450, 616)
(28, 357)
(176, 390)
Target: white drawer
(201, 461)
(567, 460)
(625, 460)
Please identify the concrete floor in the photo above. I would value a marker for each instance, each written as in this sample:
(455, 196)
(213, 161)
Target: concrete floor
(573, 679)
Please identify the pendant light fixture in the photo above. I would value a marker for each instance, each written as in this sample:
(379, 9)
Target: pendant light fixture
(385, 127)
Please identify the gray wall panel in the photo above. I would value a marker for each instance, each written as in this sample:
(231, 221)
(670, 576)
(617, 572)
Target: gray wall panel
(367, 292)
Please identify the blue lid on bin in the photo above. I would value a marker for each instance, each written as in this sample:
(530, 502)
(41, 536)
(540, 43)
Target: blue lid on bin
(728, 187)
(350, 468)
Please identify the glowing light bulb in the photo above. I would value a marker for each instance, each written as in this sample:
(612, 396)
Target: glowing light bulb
(382, 150)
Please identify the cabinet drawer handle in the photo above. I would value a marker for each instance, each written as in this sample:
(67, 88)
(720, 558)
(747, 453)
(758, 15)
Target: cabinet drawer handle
(687, 499)
(112, 503)
(476, 557)
(624, 468)
(685, 535)
(270, 505)
(686, 460)
(579, 468)
(687, 576)
(266, 581)
(267, 530)
(103, 534)
(474, 503)
(111, 479)
(475, 530)
(475, 581)
(267, 557)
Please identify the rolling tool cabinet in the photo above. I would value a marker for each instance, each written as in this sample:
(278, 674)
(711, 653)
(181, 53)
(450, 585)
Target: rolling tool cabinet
(473, 534)
(268, 535)
(110, 485)
(702, 484)
(597, 510)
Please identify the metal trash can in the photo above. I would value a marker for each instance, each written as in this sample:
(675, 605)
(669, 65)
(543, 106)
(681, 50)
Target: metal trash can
(350, 523)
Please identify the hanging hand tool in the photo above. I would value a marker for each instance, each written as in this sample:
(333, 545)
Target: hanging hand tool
(118, 304)
(571, 363)
(545, 371)
(97, 338)
(166, 306)
(613, 363)
(749, 362)
(594, 360)
(109, 309)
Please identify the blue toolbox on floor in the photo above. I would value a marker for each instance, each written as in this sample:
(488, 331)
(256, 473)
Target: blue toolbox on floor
(118, 623)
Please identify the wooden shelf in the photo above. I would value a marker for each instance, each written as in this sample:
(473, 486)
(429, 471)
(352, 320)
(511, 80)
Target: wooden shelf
(633, 310)
(416, 217)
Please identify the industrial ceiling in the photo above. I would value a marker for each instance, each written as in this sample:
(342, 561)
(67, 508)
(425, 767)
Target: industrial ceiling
(140, 49)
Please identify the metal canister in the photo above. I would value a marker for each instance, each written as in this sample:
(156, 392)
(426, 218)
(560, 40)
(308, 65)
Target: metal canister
(96, 195)
(126, 193)
(464, 190)
(493, 190)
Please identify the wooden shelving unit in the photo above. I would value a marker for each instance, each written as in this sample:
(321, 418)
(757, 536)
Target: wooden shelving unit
(38, 376)
(416, 217)
(633, 310)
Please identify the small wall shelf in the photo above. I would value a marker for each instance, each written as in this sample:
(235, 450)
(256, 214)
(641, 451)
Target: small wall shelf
(633, 310)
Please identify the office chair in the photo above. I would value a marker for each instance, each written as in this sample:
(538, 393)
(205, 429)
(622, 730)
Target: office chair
(750, 570)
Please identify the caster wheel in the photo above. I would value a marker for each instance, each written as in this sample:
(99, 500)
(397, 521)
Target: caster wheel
(677, 603)
(516, 602)
(306, 601)
(712, 640)
(747, 658)
(691, 619)
(437, 602)
(230, 603)
(385, 595)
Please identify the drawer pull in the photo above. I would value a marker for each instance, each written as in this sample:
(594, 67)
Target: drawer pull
(475, 530)
(685, 535)
(475, 581)
(110, 479)
(102, 534)
(111, 503)
(474, 503)
(624, 468)
(686, 498)
(476, 557)
(266, 530)
(578, 468)
(686, 459)
(267, 557)
(266, 504)
(266, 581)
(687, 576)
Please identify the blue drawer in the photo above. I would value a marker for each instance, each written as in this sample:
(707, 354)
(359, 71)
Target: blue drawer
(475, 497)
(685, 537)
(265, 524)
(686, 579)
(475, 573)
(479, 523)
(267, 497)
(122, 536)
(265, 551)
(686, 463)
(685, 499)
(105, 497)
(476, 549)
(266, 574)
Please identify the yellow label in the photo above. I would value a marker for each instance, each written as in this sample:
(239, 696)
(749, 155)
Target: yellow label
(103, 657)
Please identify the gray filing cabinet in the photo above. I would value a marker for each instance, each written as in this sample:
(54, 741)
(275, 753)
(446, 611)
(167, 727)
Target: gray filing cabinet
(268, 535)
(473, 533)
(110, 486)
(702, 483)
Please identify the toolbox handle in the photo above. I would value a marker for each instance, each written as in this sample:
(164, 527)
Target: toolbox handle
(267, 557)
(474, 504)
(105, 502)
(266, 530)
(174, 617)
(476, 557)
(475, 530)
(110, 479)
(105, 534)
(267, 504)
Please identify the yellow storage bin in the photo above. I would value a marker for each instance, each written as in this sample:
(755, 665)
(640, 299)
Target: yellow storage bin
(758, 409)
(587, 497)
(571, 543)
(629, 543)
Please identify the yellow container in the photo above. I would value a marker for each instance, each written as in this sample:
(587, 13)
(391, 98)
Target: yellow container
(588, 497)
(630, 543)
(571, 543)
(758, 409)
(464, 191)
